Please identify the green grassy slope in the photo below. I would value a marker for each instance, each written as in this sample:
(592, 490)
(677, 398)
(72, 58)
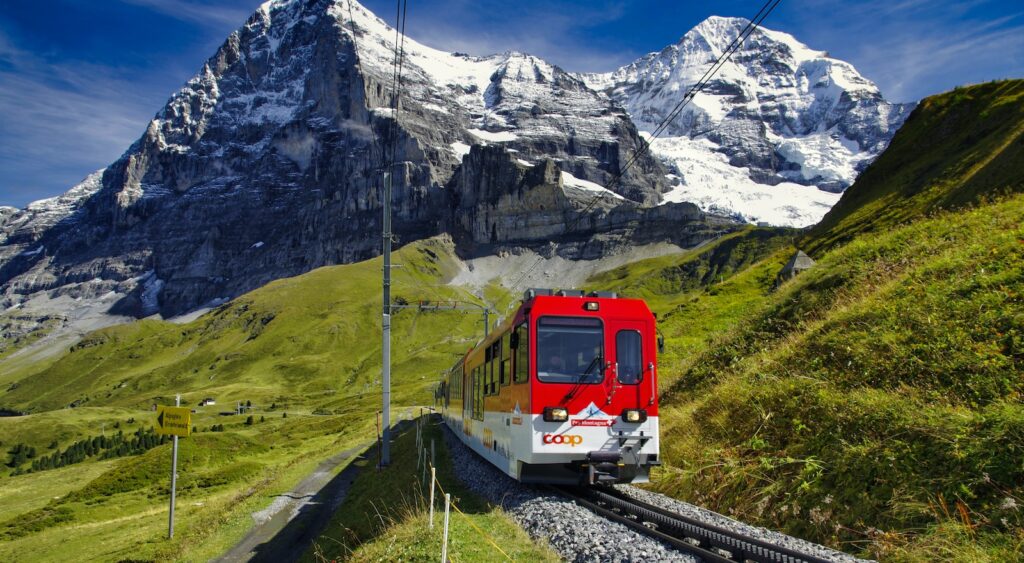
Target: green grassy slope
(294, 340)
(955, 149)
(306, 346)
(869, 392)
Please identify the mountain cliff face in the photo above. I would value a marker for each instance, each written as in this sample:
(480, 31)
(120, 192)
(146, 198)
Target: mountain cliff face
(777, 118)
(269, 162)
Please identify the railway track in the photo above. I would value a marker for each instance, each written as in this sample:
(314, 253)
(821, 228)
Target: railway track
(706, 541)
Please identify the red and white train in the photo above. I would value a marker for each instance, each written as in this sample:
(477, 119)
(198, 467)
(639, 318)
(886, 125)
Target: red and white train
(564, 391)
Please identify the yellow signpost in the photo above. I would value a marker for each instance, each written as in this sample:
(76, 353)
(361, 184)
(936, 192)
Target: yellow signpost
(173, 421)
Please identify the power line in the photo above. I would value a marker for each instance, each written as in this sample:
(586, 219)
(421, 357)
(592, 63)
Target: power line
(722, 59)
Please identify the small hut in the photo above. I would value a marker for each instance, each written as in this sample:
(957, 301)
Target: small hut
(798, 263)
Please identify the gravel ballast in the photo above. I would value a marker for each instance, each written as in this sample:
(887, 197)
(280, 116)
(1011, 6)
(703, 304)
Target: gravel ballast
(579, 535)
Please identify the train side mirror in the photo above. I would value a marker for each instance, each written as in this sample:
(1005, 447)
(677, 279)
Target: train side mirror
(661, 344)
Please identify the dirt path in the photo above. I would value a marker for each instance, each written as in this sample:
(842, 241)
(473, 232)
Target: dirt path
(285, 529)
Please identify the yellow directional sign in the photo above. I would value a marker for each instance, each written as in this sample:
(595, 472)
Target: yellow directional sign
(173, 421)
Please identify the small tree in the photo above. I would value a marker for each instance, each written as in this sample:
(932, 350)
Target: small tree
(249, 421)
(262, 419)
(284, 415)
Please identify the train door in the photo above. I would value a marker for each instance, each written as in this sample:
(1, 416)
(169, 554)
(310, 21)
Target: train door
(632, 361)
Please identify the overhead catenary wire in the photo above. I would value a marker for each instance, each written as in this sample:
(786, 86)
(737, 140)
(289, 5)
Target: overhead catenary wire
(401, 11)
(752, 26)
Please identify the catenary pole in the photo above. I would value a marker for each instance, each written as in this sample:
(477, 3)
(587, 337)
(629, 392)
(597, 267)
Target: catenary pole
(385, 457)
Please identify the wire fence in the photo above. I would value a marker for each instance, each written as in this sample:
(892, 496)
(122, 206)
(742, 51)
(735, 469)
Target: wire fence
(426, 464)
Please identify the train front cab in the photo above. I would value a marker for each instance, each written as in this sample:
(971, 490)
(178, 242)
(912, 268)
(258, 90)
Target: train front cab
(594, 405)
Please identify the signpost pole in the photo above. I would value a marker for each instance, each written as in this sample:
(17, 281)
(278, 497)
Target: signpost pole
(174, 476)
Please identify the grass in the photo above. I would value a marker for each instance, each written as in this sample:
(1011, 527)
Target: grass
(849, 402)
(223, 478)
(385, 516)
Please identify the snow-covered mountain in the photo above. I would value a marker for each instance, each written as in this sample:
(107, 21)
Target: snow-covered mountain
(778, 133)
(268, 162)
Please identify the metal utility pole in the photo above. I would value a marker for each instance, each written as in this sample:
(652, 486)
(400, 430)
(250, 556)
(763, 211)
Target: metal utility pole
(174, 477)
(385, 454)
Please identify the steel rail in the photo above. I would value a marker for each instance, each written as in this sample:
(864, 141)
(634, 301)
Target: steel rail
(708, 542)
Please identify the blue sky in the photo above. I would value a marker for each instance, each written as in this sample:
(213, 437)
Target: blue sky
(80, 79)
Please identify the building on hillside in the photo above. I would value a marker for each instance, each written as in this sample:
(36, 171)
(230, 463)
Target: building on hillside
(797, 264)
(207, 401)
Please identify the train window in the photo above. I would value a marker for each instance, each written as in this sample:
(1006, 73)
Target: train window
(628, 356)
(478, 403)
(570, 350)
(506, 371)
(522, 354)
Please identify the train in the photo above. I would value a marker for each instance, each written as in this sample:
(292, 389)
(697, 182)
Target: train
(564, 391)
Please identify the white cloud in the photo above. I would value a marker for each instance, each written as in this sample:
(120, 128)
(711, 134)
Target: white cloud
(63, 121)
(915, 48)
(552, 32)
(195, 12)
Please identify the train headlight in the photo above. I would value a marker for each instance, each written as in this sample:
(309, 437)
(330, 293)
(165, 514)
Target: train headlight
(634, 415)
(556, 414)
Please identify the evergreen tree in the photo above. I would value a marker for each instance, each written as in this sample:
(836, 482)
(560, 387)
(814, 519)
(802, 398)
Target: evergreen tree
(249, 421)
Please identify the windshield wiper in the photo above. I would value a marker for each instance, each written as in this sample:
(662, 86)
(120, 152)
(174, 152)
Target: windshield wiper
(579, 378)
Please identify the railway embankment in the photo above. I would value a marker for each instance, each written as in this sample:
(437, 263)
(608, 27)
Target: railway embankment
(579, 535)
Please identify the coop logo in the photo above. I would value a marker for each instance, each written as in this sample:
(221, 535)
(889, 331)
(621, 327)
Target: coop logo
(571, 439)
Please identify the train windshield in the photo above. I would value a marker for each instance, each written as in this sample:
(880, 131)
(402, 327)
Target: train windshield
(570, 350)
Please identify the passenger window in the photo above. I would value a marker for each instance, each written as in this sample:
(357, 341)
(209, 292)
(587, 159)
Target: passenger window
(522, 354)
(630, 362)
(505, 375)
